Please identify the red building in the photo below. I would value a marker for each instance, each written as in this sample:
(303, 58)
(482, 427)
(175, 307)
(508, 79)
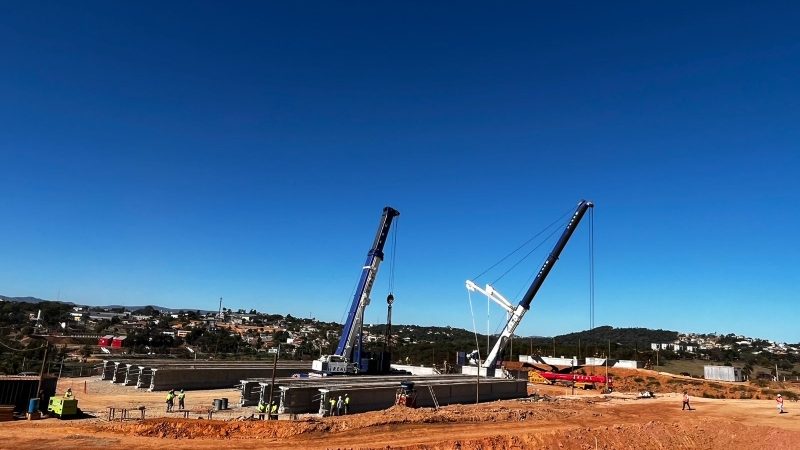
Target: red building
(117, 341)
(105, 341)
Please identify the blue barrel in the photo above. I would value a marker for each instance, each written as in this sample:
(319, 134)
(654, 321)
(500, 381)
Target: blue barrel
(224, 403)
(217, 404)
(33, 405)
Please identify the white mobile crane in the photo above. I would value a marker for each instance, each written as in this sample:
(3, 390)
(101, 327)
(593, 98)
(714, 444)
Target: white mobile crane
(348, 356)
(516, 314)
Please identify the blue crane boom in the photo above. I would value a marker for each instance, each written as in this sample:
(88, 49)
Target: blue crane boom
(349, 344)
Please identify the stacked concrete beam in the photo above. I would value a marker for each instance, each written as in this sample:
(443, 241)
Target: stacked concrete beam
(165, 378)
(132, 375)
(370, 393)
(119, 372)
(108, 370)
(377, 397)
(169, 374)
(145, 377)
(250, 392)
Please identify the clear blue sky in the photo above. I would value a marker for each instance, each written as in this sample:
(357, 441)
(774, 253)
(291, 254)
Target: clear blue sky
(174, 153)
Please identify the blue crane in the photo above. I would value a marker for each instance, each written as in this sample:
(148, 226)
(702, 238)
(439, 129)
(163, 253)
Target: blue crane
(348, 353)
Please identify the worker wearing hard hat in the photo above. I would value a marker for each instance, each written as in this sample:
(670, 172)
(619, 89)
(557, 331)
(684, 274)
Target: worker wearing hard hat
(69, 394)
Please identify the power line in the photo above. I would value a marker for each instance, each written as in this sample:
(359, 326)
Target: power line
(22, 350)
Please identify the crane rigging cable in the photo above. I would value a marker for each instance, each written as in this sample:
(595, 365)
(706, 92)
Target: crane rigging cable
(474, 327)
(555, 222)
(544, 241)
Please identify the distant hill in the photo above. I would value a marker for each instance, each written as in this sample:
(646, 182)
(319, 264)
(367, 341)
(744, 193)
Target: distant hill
(126, 307)
(29, 300)
(625, 336)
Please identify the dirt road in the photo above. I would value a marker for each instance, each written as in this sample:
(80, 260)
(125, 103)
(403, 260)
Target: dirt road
(579, 422)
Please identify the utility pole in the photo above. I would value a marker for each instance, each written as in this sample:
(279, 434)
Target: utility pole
(571, 371)
(41, 372)
(272, 384)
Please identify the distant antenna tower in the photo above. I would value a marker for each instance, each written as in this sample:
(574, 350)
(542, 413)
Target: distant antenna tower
(219, 314)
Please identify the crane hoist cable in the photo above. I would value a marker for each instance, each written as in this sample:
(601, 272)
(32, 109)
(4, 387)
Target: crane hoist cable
(393, 260)
(591, 275)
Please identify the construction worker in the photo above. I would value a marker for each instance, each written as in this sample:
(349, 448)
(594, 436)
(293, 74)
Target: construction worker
(346, 403)
(170, 399)
(262, 408)
(686, 401)
(779, 403)
(273, 411)
(332, 403)
(181, 397)
(339, 406)
(69, 394)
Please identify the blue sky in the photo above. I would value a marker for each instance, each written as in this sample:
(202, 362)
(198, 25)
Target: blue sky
(174, 154)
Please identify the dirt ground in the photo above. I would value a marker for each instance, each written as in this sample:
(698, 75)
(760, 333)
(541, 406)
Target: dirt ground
(560, 421)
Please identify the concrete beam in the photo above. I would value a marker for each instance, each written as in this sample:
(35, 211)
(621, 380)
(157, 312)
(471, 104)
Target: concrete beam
(166, 378)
